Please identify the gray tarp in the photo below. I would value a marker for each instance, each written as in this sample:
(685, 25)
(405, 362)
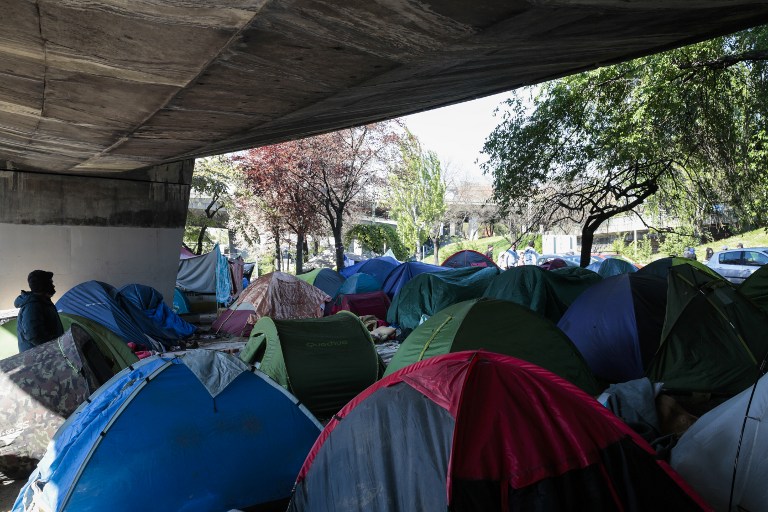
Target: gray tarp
(198, 274)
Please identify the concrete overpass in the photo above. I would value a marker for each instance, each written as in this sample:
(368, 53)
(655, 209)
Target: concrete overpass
(104, 104)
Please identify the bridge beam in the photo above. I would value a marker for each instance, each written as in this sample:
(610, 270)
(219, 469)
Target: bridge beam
(110, 229)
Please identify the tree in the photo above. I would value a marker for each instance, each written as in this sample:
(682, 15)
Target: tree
(272, 174)
(417, 195)
(378, 238)
(338, 166)
(681, 132)
(212, 183)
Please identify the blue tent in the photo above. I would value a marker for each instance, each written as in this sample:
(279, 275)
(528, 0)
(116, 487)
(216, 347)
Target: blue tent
(405, 272)
(122, 313)
(164, 323)
(326, 279)
(200, 432)
(377, 267)
(616, 324)
(359, 283)
(180, 302)
(612, 267)
(98, 301)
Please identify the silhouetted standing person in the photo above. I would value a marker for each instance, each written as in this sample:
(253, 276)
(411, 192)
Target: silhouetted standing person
(38, 320)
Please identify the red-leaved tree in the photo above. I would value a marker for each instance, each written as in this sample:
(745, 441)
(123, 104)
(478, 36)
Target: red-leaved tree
(272, 173)
(338, 166)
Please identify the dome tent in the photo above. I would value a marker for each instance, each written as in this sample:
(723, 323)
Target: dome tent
(427, 293)
(474, 431)
(713, 338)
(324, 362)
(239, 422)
(498, 326)
(661, 266)
(547, 292)
(468, 258)
(713, 442)
(612, 267)
(403, 273)
(616, 324)
(278, 295)
(326, 279)
(377, 267)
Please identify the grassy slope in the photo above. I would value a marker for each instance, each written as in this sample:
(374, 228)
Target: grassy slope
(755, 238)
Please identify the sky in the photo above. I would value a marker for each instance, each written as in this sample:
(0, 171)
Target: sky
(457, 133)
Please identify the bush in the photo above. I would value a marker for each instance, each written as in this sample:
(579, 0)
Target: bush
(674, 244)
(375, 237)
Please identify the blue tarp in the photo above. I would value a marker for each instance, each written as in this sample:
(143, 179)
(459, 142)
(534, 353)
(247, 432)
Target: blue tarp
(121, 314)
(223, 437)
(616, 324)
(404, 273)
(377, 267)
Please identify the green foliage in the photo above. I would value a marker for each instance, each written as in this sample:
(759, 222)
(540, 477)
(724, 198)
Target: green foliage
(687, 128)
(378, 238)
(214, 180)
(674, 244)
(417, 193)
(525, 239)
(619, 244)
(641, 250)
(266, 265)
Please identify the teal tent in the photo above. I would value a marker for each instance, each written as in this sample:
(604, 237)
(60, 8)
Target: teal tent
(426, 294)
(547, 292)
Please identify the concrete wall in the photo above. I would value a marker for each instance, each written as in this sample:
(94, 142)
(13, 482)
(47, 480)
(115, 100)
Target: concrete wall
(83, 228)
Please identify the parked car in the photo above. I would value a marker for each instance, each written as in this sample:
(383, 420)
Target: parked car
(738, 264)
(576, 258)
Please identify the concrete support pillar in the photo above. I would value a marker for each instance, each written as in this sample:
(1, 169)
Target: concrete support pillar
(119, 230)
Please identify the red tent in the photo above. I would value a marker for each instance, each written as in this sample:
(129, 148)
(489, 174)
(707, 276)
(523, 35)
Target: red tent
(468, 258)
(369, 303)
(478, 431)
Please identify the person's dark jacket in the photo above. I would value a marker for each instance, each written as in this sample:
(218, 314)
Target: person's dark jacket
(38, 320)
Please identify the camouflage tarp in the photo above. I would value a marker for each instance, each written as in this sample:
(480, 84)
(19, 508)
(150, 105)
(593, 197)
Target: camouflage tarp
(39, 389)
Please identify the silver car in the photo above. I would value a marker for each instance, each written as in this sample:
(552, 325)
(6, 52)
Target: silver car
(738, 264)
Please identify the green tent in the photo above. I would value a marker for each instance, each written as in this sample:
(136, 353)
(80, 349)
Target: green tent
(9, 343)
(713, 337)
(326, 279)
(547, 292)
(428, 293)
(324, 362)
(112, 347)
(661, 266)
(755, 288)
(497, 326)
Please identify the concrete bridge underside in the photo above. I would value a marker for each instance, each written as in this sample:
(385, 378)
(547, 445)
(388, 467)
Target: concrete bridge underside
(104, 103)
